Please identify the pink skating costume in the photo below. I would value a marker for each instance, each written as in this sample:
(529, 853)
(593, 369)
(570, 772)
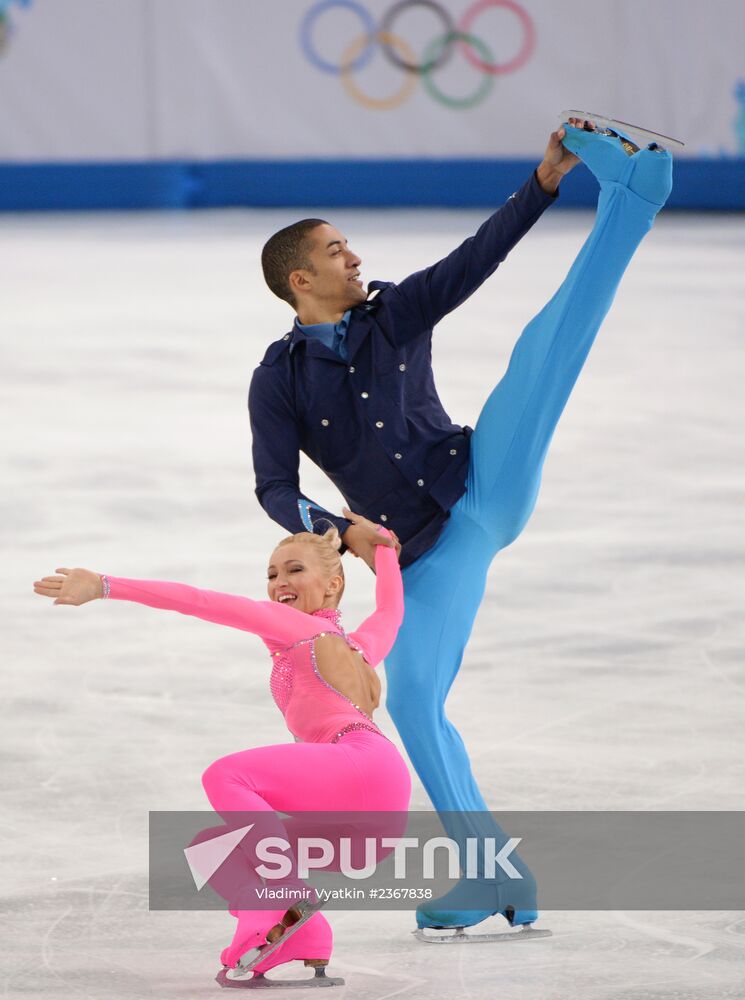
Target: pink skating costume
(343, 762)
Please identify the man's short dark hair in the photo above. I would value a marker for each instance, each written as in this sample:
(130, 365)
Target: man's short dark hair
(284, 253)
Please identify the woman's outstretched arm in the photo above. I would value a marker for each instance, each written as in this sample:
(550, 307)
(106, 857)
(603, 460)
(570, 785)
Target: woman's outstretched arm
(271, 621)
(377, 633)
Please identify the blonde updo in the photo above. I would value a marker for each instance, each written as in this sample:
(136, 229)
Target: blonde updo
(326, 548)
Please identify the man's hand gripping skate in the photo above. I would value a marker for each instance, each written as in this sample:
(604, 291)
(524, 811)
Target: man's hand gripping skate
(557, 160)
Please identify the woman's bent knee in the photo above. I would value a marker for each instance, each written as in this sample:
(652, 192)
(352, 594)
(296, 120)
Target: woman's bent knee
(220, 773)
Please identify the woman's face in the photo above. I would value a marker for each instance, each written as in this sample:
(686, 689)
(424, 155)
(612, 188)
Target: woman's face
(296, 577)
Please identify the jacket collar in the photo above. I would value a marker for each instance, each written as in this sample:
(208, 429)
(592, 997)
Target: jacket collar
(313, 346)
(360, 324)
(361, 321)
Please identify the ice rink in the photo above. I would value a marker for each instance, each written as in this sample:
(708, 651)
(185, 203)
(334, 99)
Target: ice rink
(606, 670)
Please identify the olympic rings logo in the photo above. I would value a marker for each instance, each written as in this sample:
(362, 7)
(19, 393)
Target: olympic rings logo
(438, 52)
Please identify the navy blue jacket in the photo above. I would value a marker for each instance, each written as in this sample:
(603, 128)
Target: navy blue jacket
(375, 423)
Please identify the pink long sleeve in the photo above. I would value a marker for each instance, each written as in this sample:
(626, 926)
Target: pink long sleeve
(377, 633)
(274, 623)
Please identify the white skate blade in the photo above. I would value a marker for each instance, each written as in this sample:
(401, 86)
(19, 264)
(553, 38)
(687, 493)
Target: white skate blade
(642, 136)
(260, 982)
(458, 935)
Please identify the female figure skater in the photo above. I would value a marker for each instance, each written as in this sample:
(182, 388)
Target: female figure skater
(323, 683)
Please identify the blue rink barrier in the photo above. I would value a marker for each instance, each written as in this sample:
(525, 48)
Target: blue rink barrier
(700, 184)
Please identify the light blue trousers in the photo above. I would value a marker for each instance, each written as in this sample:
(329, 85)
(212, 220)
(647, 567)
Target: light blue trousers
(444, 588)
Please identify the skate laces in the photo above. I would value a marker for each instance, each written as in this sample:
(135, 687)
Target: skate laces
(628, 146)
(291, 917)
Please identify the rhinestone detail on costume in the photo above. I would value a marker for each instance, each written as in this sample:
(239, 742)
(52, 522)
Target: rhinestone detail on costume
(280, 681)
(354, 727)
(330, 614)
(334, 615)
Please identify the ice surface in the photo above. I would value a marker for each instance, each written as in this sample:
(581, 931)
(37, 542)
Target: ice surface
(605, 670)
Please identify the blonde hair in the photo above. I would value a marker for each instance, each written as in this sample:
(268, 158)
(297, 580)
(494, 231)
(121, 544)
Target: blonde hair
(326, 548)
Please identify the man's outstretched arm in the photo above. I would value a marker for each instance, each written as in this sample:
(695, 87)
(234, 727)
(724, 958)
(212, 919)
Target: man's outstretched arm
(430, 294)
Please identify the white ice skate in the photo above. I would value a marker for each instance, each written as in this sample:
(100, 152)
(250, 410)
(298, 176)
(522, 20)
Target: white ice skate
(612, 126)
(279, 937)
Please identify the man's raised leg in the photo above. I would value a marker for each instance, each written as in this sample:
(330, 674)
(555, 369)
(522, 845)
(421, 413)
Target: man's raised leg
(444, 587)
(517, 422)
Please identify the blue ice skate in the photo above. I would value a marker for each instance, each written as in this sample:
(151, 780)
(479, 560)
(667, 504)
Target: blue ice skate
(448, 913)
(614, 156)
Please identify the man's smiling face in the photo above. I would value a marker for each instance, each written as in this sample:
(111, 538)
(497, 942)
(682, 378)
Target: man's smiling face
(332, 283)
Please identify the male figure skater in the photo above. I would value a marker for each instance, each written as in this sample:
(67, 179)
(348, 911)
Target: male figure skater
(352, 387)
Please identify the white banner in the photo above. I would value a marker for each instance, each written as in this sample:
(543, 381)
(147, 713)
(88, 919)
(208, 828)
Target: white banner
(212, 79)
